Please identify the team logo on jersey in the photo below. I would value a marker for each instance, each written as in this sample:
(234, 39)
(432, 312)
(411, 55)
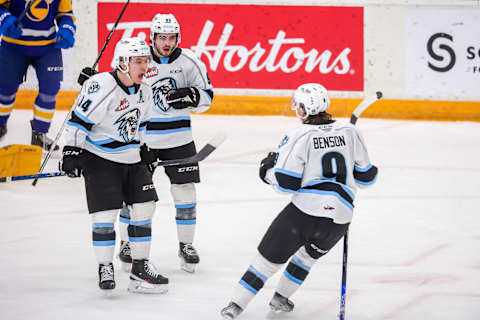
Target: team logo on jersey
(128, 125)
(39, 9)
(93, 87)
(328, 207)
(283, 142)
(160, 89)
(124, 104)
(151, 72)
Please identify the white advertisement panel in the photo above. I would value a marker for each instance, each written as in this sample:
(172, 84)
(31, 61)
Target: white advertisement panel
(443, 53)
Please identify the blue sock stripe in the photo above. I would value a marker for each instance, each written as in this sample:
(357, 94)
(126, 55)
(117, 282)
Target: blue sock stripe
(299, 263)
(103, 243)
(124, 220)
(140, 223)
(139, 239)
(187, 205)
(292, 278)
(248, 287)
(258, 274)
(186, 222)
(103, 225)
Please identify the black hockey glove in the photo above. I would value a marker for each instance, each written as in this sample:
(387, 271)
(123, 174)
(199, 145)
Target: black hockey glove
(148, 157)
(267, 163)
(183, 98)
(85, 74)
(70, 163)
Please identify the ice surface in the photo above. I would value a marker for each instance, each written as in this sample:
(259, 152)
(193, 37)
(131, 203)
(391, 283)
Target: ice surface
(414, 240)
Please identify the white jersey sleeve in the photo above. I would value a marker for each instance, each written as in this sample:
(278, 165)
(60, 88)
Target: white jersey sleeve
(198, 77)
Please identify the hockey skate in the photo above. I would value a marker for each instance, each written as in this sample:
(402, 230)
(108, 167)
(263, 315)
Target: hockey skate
(188, 257)
(3, 131)
(41, 139)
(106, 278)
(231, 311)
(145, 279)
(125, 256)
(280, 303)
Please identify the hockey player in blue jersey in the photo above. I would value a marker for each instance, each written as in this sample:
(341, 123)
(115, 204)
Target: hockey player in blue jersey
(321, 163)
(34, 34)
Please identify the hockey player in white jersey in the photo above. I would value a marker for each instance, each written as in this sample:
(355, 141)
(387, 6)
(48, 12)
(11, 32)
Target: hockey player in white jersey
(320, 163)
(103, 139)
(180, 84)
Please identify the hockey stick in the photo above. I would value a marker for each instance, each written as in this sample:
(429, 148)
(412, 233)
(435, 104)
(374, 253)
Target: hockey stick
(353, 120)
(110, 35)
(55, 141)
(211, 146)
(24, 12)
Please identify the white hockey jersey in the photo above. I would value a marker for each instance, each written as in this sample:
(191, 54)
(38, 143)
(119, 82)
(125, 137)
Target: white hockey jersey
(110, 119)
(169, 127)
(322, 165)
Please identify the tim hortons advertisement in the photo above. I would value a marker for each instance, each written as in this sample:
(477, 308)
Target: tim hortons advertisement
(443, 53)
(252, 46)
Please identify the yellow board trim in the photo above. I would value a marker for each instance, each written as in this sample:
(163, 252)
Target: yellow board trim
(263, 106)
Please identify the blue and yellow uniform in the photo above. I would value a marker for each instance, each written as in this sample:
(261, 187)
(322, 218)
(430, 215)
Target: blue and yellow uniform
(33, 32)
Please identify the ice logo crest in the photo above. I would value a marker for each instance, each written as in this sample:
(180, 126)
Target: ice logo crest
(160, 89)
(283, 142)
(128, 125)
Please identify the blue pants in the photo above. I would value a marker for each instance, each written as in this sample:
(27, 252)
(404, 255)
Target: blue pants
(49, 70)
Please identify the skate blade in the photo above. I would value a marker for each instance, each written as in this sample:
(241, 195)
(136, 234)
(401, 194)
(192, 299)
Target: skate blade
(188, 267)
(107, 293)
(137, 286)
(278, 310)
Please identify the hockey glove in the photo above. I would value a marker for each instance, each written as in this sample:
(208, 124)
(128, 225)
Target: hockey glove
(64, 38)
(10, 27)
(70, 163)
(183, 98)
(267, 163)
(148, 157)
(85, 74)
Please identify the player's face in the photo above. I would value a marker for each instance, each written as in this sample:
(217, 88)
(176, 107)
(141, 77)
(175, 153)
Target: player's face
(165, 43)
(137, 68)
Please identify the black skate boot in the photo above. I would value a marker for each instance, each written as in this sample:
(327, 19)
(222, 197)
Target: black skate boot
(41, 139)
(280, 303)
(144, 278)
(188, 257)
(3, 131)
(125, 256)
(106, 279)
(231, 311)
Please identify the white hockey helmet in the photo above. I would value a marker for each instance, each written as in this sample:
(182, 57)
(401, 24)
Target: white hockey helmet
(127, 48)
(310, 99)
(164, 23)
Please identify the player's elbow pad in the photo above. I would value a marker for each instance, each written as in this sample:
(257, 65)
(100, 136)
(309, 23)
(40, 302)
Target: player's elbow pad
(365, 177)
(288, 182)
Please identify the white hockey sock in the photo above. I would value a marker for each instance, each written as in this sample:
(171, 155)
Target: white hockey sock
(186, 222)
(124, 222)
(184, 197)
(253, 280)
(295, 273)
(103, 235)
(140, 229)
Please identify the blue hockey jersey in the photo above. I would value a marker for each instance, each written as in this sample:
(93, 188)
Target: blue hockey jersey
(38, 32)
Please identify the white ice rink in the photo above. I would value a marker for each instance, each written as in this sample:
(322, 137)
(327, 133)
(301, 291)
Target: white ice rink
(414, 241)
